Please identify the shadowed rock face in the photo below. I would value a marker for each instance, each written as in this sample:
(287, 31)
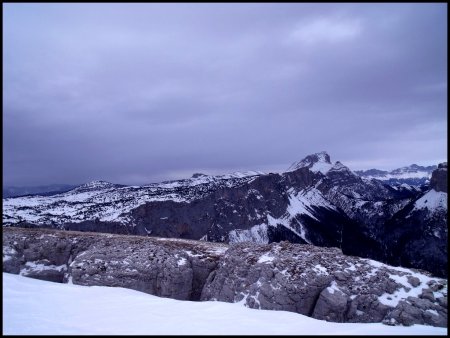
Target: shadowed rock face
(438, 179)
(319, 282)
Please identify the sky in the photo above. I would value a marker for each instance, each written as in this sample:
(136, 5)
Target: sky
(140, 93)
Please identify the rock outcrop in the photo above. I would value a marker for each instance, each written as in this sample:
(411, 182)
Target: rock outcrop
(319, 282)
(438, 179)
(161, 267)
(325, 284)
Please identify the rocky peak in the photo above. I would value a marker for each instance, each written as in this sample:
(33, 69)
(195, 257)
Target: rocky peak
(197, 175)
(315, 162)
(338, 166)
(340, 175)
(95, 185)
(438, 180)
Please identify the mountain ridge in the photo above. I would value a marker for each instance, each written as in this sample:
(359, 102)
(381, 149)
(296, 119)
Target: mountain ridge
(413, 174)
(310, 204)
(323, 157)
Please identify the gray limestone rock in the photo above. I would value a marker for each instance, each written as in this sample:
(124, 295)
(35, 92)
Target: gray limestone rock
(427, 294)
(169, 268)
(418, 311)
(331, 305)
(442, 301)
(414, 281)
(319, 282)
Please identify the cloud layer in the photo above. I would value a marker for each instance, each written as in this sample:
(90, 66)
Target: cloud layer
(136, 93)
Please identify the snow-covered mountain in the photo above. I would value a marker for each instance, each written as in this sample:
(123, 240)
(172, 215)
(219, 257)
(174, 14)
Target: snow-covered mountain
(315, 201)
(414, 175)
(108, 202)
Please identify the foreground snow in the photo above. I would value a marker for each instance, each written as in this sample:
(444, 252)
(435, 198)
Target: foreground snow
(32, 306)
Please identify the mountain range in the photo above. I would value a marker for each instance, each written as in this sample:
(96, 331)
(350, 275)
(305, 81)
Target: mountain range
(44, 190)
(414, 175)
(315, 201)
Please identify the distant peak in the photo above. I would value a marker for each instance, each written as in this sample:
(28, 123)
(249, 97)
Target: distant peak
(315, 162)
(197, 175)
(96, 185)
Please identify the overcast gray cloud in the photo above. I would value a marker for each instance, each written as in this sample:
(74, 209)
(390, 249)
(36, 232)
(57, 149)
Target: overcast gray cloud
(136, 93)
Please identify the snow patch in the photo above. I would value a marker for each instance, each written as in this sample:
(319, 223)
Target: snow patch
(303, 201)
(36, 267)
(182, 261)
(322, 167)
(432, 201)
(256, 234)
(407, 290)
(434, 312)
(266, 258)
(333, 287)
(321, 270)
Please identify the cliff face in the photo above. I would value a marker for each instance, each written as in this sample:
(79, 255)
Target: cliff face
(438, 179)
(161, 267)
(318, 282)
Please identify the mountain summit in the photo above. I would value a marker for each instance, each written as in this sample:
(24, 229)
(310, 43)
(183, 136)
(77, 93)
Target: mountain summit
(315, 162)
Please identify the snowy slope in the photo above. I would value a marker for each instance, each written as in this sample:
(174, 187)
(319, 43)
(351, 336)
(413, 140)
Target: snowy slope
(32, 306)
(432, 200)
(303, 202)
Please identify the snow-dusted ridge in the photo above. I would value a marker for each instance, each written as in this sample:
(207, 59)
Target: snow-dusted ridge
(301, 203)
(413, 174)
(110, 202)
